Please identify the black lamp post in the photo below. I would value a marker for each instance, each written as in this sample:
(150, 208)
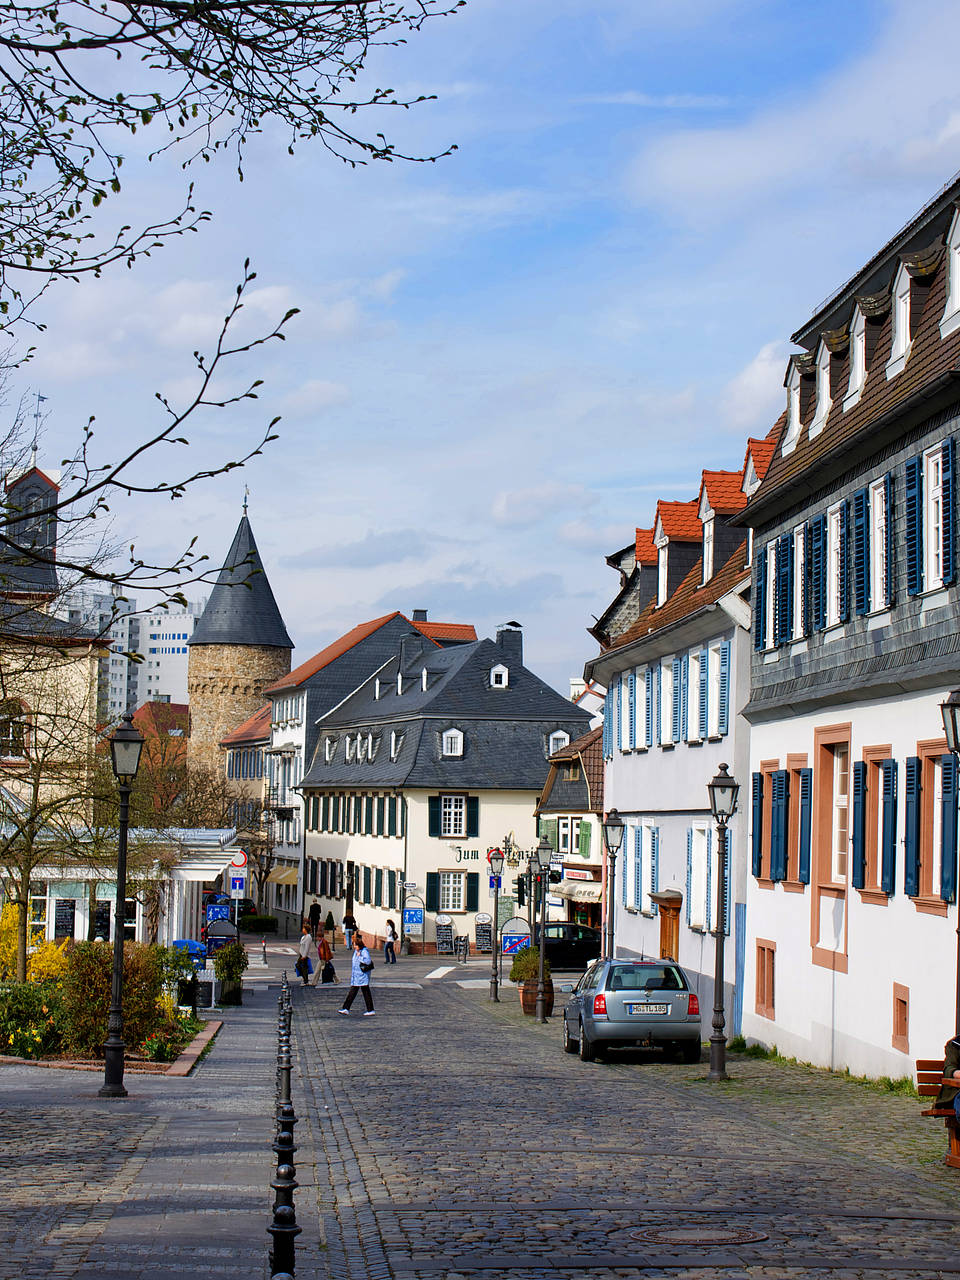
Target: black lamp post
(543, 855)
(125, 747)
(496, 870)
(950, 710)
(612, 838)
(723, 802)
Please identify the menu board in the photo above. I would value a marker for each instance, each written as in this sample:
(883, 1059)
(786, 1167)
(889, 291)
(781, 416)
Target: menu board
(444, 939)
(484, 935)
(64, 915)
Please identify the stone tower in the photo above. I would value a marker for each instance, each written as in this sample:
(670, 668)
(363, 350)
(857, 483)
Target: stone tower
(238, 647)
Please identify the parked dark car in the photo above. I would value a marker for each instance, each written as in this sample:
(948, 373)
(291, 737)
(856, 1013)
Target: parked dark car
(632, 1002)
(570, 946)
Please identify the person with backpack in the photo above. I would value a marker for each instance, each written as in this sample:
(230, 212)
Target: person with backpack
(327, 972)
(389, 954)
(308, 961)
(361, 967)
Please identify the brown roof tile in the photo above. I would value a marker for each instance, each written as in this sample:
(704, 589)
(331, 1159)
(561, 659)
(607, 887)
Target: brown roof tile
(254, 729)
(762, 451)
(680, 521)
(461, 631)
(645, 551)
(724, 491)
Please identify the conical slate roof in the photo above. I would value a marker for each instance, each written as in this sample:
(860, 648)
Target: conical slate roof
(241, 608)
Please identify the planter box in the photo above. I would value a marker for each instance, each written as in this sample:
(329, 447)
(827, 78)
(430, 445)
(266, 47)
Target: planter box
(231, 992)
(528, 997)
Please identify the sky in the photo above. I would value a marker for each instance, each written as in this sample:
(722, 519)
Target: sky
(502, 360)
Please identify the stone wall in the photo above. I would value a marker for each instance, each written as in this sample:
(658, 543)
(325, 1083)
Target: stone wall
(225, 686)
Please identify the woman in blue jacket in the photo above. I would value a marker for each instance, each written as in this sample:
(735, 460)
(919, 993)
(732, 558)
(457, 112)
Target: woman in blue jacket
(360, 967)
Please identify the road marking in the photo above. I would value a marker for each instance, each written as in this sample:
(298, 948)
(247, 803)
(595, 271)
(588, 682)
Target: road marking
(439, 973)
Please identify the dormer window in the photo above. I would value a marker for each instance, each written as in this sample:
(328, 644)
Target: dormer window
(558, 741)
(858, 360)
(661, 574)
(708, 527)
(793, 409)
(329, 749)
(900, 342)
(396, 742)
(499, 676)
(372, 744)
(376, 689)
(423, 679)
(351, 746)
(824, 403)
(951, 312)
(360, 747)
(399, 683)
(452, 743)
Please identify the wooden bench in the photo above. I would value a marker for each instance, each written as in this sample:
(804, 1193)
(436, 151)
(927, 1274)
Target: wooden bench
(929, 1079)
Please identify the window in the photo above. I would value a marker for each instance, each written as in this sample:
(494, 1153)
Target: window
(930, 827)
(396, 742)
(900, 344)
(499, 677)
(451, 890)
(799, 583)
(423, 679)
(836, 545)
(824, 402)
(880, 543)
(661, 574)
(951, 312)
(718, 695)
(858, 360)
(770, 594)
(697, 690)
(13, 729)
(666, 701)
(558, 741)
(900, 1039)
(766, 951)
(933, 518)
(568, 835)
(708, 549)
(793, 409)
(452, 743)
(453, 815)
(698, 876)
(840, 825)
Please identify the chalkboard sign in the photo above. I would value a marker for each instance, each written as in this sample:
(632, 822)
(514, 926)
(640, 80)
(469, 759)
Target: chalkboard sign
(101, 921)
(484, 935)
(63, 917)
(444, 939)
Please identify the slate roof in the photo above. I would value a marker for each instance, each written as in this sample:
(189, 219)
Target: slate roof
(23, 574)
(17, 622)
(242, 609)
(724, 491)
(505, 730)
(254, 729)
(680, 521)
(646, 552)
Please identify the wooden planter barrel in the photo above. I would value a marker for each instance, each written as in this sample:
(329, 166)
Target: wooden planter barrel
(528, 997)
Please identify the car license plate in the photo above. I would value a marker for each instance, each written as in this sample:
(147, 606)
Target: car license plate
(646, 1008)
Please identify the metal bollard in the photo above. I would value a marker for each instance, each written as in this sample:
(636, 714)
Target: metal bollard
(263, 949)
(284, 1229)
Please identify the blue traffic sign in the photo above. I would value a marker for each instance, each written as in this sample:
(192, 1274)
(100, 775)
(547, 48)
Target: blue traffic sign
(514, 942)
(236, 884)
(413, 915)
(495, 882)
(218, 911)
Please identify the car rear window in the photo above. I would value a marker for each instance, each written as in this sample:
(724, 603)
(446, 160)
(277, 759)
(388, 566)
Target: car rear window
(647, 977)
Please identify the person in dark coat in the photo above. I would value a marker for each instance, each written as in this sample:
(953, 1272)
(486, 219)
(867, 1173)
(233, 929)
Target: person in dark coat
(949, 1095)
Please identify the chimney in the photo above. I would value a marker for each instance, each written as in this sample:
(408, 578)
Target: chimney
(410, 649)
(419, 615)
(510, 640)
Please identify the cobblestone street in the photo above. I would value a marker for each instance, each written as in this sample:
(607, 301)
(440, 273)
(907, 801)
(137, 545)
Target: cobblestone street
(448, 1137)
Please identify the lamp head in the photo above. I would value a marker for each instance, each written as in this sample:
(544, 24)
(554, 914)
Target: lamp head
(496, 862)
(544, 853)
(723, 791)
(125, 747)
(613, 831)
(950, 710)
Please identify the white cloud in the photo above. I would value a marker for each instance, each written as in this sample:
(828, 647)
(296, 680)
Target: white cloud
(754, 399)
(518, 508)
(659, 101)
(313, 396)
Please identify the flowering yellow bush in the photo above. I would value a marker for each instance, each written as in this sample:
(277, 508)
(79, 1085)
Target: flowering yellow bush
(45, 959)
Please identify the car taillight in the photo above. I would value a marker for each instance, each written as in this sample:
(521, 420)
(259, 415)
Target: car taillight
(600, 1005)
(694, 1006)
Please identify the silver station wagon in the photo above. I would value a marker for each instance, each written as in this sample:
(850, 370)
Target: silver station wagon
(632, 1002)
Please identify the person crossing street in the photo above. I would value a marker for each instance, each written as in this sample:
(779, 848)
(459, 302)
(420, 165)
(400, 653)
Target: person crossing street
(360, 968)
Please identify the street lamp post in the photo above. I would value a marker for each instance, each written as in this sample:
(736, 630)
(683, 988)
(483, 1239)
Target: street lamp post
(496, 870)
(543, 854)
(612, 838)
(125, 747)
(950, 710)
(723, 802)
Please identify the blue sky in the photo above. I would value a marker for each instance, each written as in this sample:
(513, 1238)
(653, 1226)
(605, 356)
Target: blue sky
(502, 360)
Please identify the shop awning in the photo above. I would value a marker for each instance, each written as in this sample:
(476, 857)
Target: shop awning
(197, 866)
(579, 890)
(285, 875)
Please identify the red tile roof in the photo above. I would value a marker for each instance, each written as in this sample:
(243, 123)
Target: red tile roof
(688, 598)
(154, 718)
(645, 551)
(724, 491)
(680, 520)
(255, 729)
(461, 631)
(762, 451)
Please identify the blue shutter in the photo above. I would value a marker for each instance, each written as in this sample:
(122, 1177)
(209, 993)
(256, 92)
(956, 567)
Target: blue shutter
(888, 868)
(606, 724)
(654, 865)
(858, 841)
(806, 816)
(807, 619)
(703, 721)
(626, 871)
(779, 587)
(619, 738)
(948, 827)
(757, 820)
(789, 620)
(689, 868)
(949, 538)
(844, 560)
(778, 825)
(632, 710)
(760, 633)
(818, 584)
(913, 534)
(911, 833)
(723, 717)
(708, 904)
(677, 690)
(659, 701)
(649, 726)
(889, 549)
(861, 551)
(727, 883)
(684, 695)
(638, 867)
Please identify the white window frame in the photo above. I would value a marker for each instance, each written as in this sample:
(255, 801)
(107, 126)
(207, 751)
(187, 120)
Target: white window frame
(453, 816)
(451, 743)
(452, 890)
(646, 854)
(936, 845)
(568, 835)
(824, 403)
(951, 312)
(666, 702)
(792, 432)
(691, 730)
(423, 680)
(698, 877)
(770, 602)
(840, 817)
(799, 581)
(833, 566)
(713, 692)
(499, 677)
(560, 738)
(900, 323)
(858, 360)
(396, 742)
(708, 544)
(661, 574)
(879, 587)
(933, 518)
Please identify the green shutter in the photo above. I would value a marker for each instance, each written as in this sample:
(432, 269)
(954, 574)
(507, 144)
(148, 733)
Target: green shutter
(473, 817)
(585, 838)
(366, 885)
(325, 813)
(368, 815)
(473, 890)
(432, 896)
(381, 815)
(392, 890)
(392, 816)
(911, 831)
(433, 815)
(378, 888)
(548, 828)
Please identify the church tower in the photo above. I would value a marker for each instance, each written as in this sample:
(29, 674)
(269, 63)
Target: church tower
(238, 647)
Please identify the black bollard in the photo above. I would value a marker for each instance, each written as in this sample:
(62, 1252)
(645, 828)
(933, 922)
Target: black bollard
(284, 1229)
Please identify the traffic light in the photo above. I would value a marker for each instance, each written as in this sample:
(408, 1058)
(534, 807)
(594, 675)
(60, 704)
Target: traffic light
(520, 890)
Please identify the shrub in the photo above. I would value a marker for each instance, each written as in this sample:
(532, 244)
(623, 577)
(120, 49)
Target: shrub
(526, 965)
(230, 961)
(167, 1041)
(44, 959)
(30, 1019)
(86, 995)
(258, 924)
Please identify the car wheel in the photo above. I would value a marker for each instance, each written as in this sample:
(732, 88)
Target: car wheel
(569, 1045)
(691, 1050)
(587, 1051)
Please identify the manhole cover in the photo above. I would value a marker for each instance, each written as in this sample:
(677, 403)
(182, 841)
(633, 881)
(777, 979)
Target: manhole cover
(698, 1235)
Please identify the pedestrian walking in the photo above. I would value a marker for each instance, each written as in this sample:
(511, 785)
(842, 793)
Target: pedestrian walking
(308, 962)
(389, 954)
(327, 972)
(315, 914)
(349, 925)
(360, 969)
